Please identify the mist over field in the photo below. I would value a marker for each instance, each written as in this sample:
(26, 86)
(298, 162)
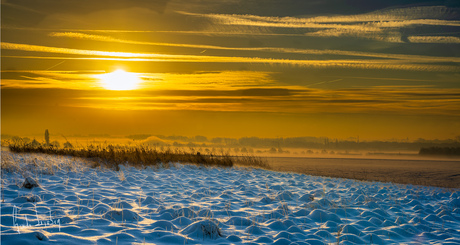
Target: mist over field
(304, 146)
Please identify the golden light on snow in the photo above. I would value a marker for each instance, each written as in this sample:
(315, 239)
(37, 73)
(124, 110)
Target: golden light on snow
(119, 80)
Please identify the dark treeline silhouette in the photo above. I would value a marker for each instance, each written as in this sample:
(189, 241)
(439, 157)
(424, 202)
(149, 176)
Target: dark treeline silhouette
(443, 151)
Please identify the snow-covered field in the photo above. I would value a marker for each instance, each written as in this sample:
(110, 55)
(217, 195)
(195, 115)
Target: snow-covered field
(195, 205)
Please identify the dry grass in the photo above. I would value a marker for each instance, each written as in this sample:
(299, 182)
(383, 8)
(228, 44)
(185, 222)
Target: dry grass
(251, 161)
(140, 156)
(38, 164)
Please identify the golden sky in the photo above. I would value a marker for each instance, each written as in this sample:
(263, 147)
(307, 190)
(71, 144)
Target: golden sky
(231, 68)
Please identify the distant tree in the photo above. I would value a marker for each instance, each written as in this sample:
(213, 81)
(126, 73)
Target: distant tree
(47, 137)
(200, 138)
(216, 140)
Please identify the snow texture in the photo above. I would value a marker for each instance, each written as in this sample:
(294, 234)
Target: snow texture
(195, 205)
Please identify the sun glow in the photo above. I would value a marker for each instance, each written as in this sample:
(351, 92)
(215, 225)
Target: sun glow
(119, 80)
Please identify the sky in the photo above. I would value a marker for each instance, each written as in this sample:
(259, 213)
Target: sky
(377, 70)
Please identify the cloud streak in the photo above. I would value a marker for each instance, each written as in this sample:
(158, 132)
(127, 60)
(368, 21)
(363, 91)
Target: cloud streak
(385, 64)
(46, 49)
(412, 58)
(410, 100)
(383, 25)
(316, 64)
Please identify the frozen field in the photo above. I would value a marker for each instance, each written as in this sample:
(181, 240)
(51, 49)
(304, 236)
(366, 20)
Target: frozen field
(195, 205)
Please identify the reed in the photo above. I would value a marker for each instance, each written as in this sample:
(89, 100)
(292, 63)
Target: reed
(139, 156)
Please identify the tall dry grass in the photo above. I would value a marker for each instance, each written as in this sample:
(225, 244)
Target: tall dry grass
(140, 156)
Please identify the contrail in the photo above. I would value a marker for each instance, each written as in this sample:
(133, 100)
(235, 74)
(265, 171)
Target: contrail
(325, 82)
(55, 65)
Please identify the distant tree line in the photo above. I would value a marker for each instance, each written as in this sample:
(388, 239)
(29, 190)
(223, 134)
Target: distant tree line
(279, 144)
(444, 151)
(320, 143)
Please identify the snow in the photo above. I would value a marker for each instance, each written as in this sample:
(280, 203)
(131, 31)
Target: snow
(187, 204)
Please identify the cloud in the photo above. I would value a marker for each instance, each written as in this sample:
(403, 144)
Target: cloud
(382, 25)
(43, 79)
(237, 91)
(316, 64)
(116, 40)
(224, 81)
(386, 64)
(399, 100)
(411, 58)
(46, 49)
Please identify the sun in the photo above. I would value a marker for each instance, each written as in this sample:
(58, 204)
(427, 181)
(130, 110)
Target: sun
(119, 80)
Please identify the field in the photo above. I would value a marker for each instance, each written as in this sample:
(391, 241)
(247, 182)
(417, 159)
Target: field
(417, 171)
(75, 203)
